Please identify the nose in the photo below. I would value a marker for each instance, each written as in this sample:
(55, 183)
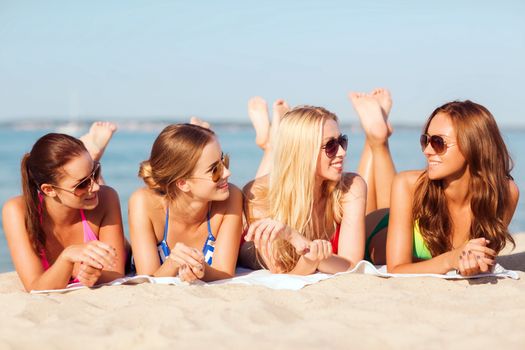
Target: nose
(95, 187)
(226, 173)
(340, 152)
(428, 150)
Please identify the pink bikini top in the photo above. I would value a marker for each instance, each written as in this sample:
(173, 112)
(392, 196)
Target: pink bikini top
(89, 236)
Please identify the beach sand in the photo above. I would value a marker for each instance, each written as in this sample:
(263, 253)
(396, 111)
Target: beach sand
(349, 311)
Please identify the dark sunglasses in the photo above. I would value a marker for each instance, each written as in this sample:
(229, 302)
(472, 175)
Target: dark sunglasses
(85, 185)
(332, 146)
(438, 143)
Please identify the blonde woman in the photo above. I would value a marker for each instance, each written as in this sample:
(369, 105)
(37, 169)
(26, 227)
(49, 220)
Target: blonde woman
(453, 215)
(187, 220)
(307, 214)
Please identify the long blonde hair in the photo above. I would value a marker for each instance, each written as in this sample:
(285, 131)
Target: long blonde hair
(174, 155)
(480, 142)
(293, 177)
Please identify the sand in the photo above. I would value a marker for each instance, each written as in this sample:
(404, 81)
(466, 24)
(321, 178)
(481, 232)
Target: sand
(349, 311)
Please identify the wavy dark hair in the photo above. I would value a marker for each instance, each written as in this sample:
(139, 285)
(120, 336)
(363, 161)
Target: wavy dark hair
(489, 163)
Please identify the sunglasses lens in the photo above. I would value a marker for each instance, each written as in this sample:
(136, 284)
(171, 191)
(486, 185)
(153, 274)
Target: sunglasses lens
(84, 186)
(343, 141)
(423, 141)
(437, 143)
(216, 173)
(331, 148)
(226, 161)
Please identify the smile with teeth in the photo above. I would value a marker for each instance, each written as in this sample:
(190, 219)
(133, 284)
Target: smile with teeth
(337, 165)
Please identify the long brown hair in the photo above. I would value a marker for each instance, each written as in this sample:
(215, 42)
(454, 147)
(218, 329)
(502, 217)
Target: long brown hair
(174, 155)
(489, 163)
(42, 165)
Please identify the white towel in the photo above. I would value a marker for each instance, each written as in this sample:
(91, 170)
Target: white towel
(282, 281)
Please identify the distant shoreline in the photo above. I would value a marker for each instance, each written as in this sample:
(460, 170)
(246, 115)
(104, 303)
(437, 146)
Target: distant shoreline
(149, 124)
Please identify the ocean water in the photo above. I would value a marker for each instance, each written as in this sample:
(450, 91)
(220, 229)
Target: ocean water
(132, 145)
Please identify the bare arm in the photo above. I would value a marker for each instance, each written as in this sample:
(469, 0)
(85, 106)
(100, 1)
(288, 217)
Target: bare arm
(143, 239)
(401, 232)
(28, 263)
(111, 232)
(228, 237)
(351, 245)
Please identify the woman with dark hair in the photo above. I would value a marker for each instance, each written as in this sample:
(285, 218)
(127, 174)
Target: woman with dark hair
(65, 227)
(455, 213)
(187, 220)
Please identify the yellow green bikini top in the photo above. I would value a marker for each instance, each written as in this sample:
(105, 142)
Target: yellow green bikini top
(419, 249)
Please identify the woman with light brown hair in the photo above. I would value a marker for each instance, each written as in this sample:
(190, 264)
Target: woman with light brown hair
(187, 220)
(455, 213)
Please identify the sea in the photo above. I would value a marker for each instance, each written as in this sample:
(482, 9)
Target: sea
(132, 143)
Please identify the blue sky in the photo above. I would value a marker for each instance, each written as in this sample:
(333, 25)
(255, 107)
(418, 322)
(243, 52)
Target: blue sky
(151, 59)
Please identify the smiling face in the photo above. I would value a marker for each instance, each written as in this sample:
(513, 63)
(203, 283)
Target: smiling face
(200, 182)
(451, 164)
(73, 172)
(330, 169)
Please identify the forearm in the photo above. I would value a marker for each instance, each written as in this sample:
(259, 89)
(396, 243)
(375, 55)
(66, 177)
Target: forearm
(214, 274)
(440, 264)
(335, 264)
(304, 267)
(265, 165)
(56, 277)
(108, 276)
(168, 269)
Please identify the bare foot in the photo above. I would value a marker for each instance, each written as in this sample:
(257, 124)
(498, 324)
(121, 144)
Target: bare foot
(97, 138)
(385, 101)
(371, 117)
(197, 121)
(280, 107)
(258, 113)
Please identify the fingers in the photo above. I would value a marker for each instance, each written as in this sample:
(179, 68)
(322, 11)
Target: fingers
(320, 249)
(186, 274)
(102, 254)
(88, 276)
(184, 255)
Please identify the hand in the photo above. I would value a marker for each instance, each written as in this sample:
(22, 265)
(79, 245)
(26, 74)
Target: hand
(264, 232)
(474, 257)
(320, 250)
(96, 254)
(88, 275)
(189, 274)
(192, 258)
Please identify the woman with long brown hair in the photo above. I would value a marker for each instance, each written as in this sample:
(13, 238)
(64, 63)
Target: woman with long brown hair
(66, 226)
(454, 215)
(187, 220)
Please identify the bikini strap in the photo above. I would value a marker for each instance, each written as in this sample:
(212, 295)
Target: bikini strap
(40, 205)
(166, 223)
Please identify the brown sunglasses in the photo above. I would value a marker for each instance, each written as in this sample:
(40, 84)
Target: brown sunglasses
(86, 184)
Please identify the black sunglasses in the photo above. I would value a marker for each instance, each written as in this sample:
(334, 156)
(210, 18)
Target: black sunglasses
(438, 143)
(332, 146)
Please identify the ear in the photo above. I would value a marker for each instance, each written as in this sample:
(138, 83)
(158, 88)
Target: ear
(48, 190)
(183, 185)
